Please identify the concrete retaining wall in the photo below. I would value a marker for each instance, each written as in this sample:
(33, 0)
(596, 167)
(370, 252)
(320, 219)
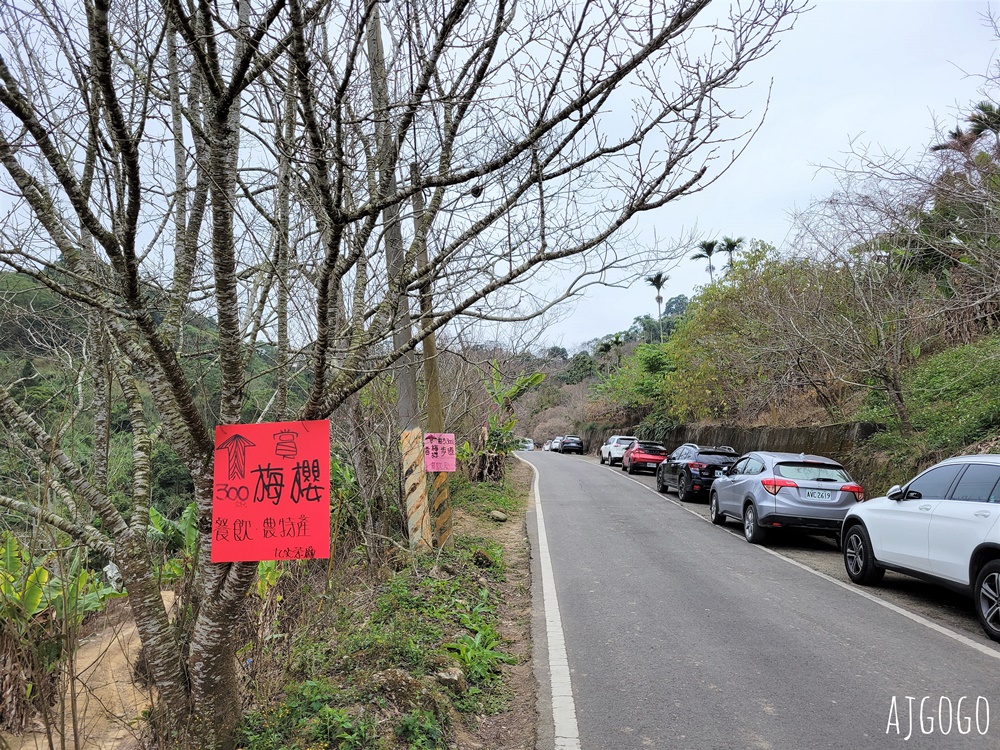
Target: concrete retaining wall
(835, 441)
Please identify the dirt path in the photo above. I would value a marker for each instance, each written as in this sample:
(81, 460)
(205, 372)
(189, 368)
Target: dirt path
(108, 700)
(514, 729)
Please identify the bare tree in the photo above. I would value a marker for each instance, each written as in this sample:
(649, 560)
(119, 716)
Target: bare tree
(172, 162)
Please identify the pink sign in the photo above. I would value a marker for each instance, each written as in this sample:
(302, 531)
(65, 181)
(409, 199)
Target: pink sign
(272, 492)
(439, 451)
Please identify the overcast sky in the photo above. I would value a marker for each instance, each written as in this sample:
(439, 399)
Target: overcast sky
(880, 72)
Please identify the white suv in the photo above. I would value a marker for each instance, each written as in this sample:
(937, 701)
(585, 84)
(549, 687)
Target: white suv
(941, 527)
(614, 448)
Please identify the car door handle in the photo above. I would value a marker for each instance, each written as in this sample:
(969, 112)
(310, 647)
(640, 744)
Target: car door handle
(982, 513)
(924, 507)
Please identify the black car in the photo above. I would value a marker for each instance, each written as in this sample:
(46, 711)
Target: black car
(572, 444)
(691, 469)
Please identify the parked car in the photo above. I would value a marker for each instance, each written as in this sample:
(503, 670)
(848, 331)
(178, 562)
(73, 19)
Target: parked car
(642, 455)
(556, 443)
(614, 448)
(571, 444)
(690, 470)
(767, 490)
(941, 526)
(526, 444)
(547, 445)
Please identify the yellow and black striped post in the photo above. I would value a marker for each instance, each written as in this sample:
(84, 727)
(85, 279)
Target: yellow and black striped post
(442, 509)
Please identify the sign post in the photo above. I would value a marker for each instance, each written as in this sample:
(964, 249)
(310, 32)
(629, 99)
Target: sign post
(439, 458)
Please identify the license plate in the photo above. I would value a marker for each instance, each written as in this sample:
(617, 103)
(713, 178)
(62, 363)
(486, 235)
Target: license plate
(650, 466)
(818, 495)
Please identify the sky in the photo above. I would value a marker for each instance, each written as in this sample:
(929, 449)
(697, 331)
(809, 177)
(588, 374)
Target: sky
(883, 73)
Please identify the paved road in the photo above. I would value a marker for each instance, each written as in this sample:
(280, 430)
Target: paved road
(679, 635)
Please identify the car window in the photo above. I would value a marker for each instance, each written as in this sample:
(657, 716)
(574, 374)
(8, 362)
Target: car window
(717, 456)
(754, 466)
(978, 484)
(933, 483)
(811, 471)
(740, 467)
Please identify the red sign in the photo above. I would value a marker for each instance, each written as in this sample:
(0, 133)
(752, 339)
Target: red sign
(272, 492)
(439, 451)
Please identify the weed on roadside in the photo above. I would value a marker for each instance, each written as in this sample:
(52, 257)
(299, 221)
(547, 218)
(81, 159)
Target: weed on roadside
(400, 656)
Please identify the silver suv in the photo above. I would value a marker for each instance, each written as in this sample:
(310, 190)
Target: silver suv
(941, 526)
(614, 448)
(765, 490)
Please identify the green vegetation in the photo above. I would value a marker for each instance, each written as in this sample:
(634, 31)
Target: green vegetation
(365, 676)
(40, 612)
(479, 498)
(954, 399)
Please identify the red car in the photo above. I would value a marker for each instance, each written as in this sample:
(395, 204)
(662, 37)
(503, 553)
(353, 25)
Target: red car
(643, 455)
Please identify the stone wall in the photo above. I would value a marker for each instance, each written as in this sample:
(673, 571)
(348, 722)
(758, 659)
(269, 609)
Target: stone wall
(835, 441)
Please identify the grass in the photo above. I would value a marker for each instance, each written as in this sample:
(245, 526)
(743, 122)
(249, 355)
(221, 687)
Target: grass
(367, 681)
(478, 499)
(953, 399)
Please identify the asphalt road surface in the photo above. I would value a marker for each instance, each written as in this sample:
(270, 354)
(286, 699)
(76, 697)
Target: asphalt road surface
(677, 634)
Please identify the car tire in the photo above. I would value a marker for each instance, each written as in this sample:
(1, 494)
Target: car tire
(684, 493)
(623, 465)
(987, 596)
(660, 486)
(715, 515)
(859, 558)
(752, 530)
(631, 467)
(602, 459)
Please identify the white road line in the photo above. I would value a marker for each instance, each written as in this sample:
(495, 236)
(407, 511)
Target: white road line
(567, 734)
(919, 619)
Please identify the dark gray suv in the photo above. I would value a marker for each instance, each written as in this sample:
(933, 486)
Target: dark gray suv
(572, 444)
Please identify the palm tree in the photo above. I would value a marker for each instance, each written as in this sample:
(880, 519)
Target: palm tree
(706, 252)
(986, 119)
(730, 247)
(657, 280)
(959, 141)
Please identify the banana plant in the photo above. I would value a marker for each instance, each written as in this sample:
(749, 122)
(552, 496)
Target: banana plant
(26, 591)
(176, 536)
(486, 461)
(22, 596)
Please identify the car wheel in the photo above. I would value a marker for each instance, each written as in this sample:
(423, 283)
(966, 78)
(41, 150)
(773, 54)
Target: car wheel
(631, 467)
(987, 593)
(752, 529)
(602, 459)
(859, 559)
(684, 488)
(660, 486)
(714, 514)
(623, 465)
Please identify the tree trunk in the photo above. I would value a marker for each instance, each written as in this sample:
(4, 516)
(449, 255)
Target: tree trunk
(411, 442)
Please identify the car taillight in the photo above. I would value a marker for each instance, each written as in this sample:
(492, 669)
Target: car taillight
(857, 489)
(697, 465)
(773, 484)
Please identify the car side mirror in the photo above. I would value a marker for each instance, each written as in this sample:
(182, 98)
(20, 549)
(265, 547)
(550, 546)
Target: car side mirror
(895, 493)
